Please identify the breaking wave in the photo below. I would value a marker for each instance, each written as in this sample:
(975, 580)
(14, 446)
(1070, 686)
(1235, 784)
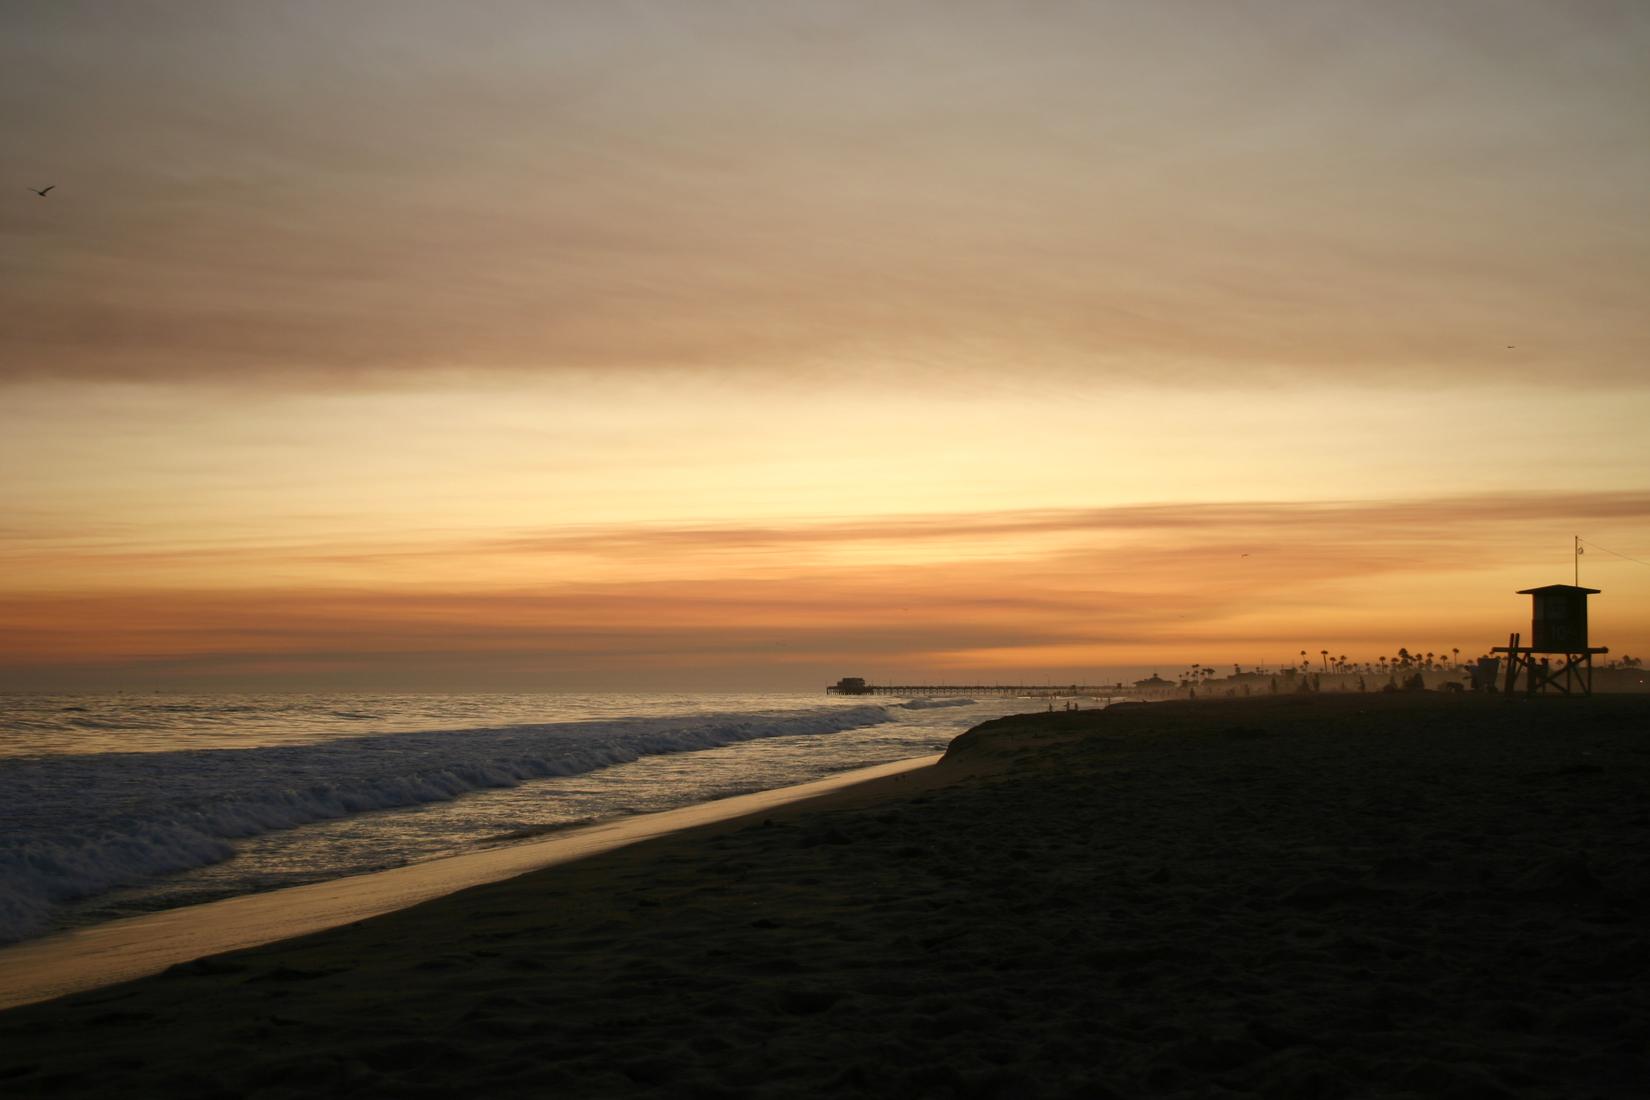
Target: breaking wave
(77, 826)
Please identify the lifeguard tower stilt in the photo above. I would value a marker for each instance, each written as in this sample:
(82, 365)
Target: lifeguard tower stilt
(1558, 628)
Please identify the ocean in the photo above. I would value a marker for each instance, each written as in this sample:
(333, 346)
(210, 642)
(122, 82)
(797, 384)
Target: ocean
(122, 804)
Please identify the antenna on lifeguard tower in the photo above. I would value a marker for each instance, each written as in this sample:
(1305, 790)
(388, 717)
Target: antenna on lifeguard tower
(1577, 559)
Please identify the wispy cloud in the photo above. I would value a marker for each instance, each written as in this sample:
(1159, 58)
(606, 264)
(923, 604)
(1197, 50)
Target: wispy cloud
(300, 197)
(1107, 586)
(1462, 526)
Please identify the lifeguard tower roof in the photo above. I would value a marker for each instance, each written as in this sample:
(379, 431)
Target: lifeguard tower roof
(1558, 588)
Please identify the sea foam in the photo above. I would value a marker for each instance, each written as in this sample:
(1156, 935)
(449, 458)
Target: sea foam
(77, 826)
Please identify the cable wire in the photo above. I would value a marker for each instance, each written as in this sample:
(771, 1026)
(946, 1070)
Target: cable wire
(1607, 550)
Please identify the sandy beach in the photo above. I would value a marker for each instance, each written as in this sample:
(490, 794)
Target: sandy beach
(1314, 896)
(136, 947)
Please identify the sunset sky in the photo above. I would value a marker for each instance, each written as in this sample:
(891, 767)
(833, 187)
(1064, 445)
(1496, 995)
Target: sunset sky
(560, 346)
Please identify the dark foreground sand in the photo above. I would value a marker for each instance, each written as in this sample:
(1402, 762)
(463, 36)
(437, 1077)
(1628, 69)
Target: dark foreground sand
(1296, 897)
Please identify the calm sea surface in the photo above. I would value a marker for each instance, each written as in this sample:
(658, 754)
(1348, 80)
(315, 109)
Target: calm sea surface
(114, 805)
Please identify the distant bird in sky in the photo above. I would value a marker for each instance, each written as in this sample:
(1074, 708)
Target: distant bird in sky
(42, 192)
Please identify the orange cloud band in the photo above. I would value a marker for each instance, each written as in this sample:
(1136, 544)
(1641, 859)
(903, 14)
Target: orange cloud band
(765, 605)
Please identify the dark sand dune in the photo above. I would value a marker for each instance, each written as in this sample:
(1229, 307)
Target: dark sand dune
(1296, 897)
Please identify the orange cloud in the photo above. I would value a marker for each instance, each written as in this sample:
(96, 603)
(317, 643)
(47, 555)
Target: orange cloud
(766, 606)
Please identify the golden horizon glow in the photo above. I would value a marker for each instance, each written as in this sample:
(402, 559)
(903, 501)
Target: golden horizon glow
(1042, 592)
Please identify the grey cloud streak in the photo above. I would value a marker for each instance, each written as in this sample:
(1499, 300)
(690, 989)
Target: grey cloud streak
(304, 193)
(1369, 520)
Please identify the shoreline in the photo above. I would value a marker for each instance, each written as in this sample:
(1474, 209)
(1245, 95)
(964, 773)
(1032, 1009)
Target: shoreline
(83, 959)
(1309, 896)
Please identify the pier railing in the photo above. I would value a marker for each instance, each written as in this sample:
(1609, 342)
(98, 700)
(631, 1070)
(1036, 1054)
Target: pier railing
(1033, 690)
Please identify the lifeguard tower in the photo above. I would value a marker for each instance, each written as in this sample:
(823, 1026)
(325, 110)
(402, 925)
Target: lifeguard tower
(1558, 628)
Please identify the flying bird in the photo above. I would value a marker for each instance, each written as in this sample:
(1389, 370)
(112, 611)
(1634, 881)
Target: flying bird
(42, 192)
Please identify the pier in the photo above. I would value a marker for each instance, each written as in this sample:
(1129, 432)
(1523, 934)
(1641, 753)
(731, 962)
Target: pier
(854, 685)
